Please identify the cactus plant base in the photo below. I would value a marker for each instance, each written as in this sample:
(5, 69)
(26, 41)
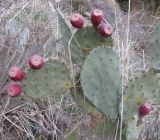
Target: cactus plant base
(98, 128)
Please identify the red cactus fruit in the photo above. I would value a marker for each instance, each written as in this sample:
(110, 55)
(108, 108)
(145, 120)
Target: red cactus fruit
(144, 109)
(14, 89)
(16, 73)
(77, 21)
(96, 17)
(105, 30)
(36, 62)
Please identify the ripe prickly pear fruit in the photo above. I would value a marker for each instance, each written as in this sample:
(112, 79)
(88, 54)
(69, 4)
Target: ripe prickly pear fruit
(144, 109)
(36, 62)
(105, 30)
(77, 21)
(14, 89)
(16, 73)
(96, 17)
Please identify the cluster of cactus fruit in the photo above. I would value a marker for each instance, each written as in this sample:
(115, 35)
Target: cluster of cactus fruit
(17, 74)
(97, 19)
(98, 83)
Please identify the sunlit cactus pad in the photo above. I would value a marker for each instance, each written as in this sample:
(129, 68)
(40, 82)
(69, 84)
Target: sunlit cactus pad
(101, 80)
(51, 80)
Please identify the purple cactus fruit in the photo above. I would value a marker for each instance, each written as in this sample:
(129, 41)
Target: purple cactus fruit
(96, 17)
(105, 30)
(16, 73)
(36, 62)
(77, 21)
(14, 89)
(144, 109)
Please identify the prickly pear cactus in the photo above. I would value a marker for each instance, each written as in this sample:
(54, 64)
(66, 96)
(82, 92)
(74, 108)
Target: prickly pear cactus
(140, 90)
(51, 80)
(82, 41)
(101, 80)
(155, 49)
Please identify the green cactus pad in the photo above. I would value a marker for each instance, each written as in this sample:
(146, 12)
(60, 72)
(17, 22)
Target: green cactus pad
(82, 41)
(51, 80)
(89, 38)
(131, 129)
(101, 80)
(64, 28)
(155, 49)
(66, 34)
(140, 90)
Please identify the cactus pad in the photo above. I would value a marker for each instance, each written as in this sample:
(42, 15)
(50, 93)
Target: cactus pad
(51, 80)
(101, 80)
(64, 28)
(89, 38)
(84, 41)
(155, 49)
(131, 130)
(140, 90)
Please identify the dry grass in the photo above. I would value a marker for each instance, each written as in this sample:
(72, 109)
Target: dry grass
(29, 27)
